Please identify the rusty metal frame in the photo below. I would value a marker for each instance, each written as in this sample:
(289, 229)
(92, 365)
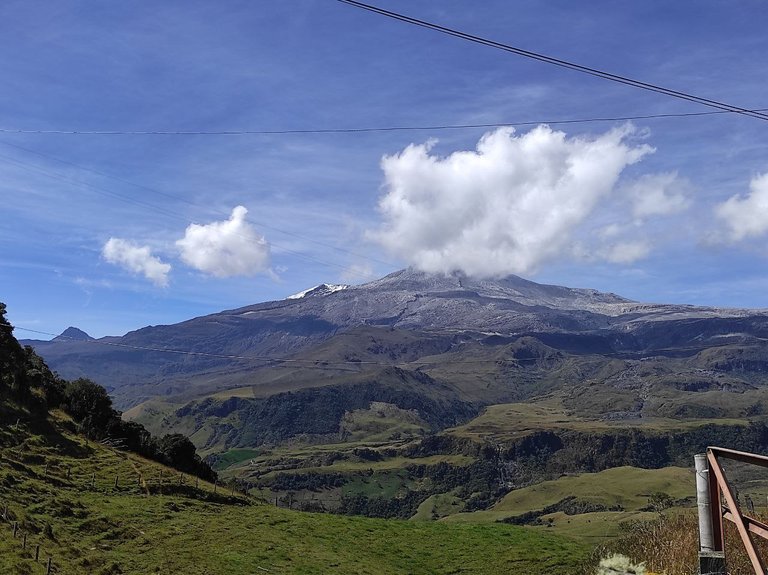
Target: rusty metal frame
(719, 489)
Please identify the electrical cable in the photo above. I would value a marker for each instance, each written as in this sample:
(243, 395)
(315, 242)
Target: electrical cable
(558, 62)
(308, 131)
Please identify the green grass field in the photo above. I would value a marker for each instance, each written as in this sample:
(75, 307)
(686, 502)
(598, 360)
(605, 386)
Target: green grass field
(509, 420)
(62, 492)
(628, 487)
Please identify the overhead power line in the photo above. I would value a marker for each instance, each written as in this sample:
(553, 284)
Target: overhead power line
(558, 62)
(369, 129)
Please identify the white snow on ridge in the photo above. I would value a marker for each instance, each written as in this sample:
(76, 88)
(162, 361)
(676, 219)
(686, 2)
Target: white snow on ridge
(322, 289)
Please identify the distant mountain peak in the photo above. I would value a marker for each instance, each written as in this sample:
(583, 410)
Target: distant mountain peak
(72, 334)
(319, 290)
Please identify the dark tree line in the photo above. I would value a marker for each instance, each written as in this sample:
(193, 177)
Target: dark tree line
(26, 378)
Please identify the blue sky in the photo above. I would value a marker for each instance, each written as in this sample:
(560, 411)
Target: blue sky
(114, 232)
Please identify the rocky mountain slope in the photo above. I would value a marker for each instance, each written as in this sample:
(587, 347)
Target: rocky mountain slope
(479, 342)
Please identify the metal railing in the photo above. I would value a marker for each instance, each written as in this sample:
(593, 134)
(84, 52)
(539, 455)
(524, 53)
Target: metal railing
(717, 502)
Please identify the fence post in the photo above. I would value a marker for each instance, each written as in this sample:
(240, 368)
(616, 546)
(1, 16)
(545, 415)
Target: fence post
(37, 553)
(116, 476)
(48, 568)
(710, 561)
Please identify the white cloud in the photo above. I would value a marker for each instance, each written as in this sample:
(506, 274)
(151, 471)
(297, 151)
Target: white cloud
(658, 195)
(137, 259)
(506, 207)
(226, 248)
(746, 216)
(626, 252)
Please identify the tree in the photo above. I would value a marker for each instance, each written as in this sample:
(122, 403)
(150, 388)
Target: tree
(178, 451)
(89, 404)
(12, 372)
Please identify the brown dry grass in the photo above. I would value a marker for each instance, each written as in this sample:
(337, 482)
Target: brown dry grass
(669, 545)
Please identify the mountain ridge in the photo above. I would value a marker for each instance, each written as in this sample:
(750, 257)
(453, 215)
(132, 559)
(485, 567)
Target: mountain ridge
(273, 341)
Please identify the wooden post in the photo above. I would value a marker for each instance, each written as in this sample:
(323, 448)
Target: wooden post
(37, 553)
(48, 568)
(15, 528)
(93, 481)
(24, 541)
(5, 512)
(233, 488)
(116, 476)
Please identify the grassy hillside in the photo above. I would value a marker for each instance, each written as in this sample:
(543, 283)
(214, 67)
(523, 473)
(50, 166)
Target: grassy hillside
(94, 509)
(627, 491)
(513, 420)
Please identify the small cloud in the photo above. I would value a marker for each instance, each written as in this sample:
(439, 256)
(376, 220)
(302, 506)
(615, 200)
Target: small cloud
(626, 252)
(87, 283)
(506, 207)
(136, 259)
(615, 252)
(658, 195)
(746, 216)
(226, 248)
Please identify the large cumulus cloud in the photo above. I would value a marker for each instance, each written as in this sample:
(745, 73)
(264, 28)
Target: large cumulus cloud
(506, 207)
(746, 216)
(225, 248)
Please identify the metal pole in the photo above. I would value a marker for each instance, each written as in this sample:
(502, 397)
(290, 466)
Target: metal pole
(711, 558)
(706, 540)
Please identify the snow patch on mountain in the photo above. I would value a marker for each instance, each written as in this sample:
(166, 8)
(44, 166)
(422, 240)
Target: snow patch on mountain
(319, 290)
